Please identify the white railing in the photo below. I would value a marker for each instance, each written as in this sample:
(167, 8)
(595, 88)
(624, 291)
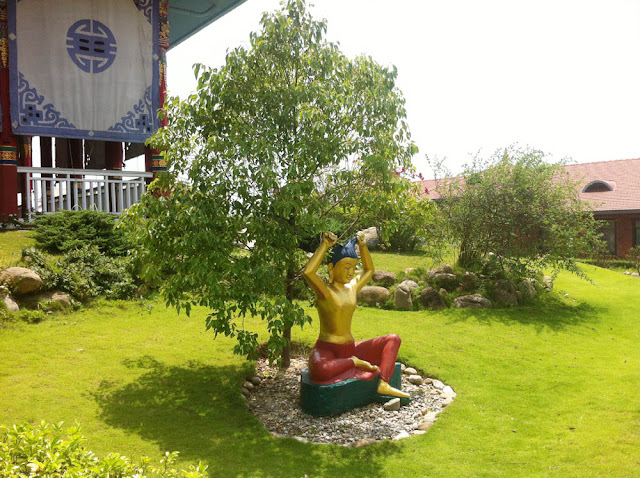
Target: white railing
(56, 189)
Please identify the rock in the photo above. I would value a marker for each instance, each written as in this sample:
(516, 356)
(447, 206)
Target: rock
(469, 281)
(443, 292)
(430, 299)
(635, 274)
(248, 386)
(392, 405)
(547, 282)
(403, 367)
(409, 270)
(444, 269)
(371, 237)
(245, 392)
(447, 390)
(5, 296)
(446, 281)
(410, 371)
(431, 416)
(20, 280)
(374, 295)
(415, 379)
(48, 300)
(364, 442)
(474, 301)
(438, 385)
(402, 297)
(447, 401)
(428, 380)
(425, 424)
(418, 432)
(528, 290)
(519, 296)
(301, 439)
(505, 291)
(411, 284)
(256, 380)
(401, 435)
(384, 278)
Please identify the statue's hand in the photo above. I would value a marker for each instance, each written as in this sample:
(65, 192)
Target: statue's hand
(359, 363)
(360, 238)
(329, 238)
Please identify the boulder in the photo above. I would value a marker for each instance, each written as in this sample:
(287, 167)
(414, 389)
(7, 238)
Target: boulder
(469, 281)
(547, 282)
(20, 280)
(445, 269)
(411, 284)
(51, 299)
(431, 299)
(371, 237)
(402, 298)
(445, 280)
(384, 278)
(5, 297)
(528, 290)
(374, 295)
(505, 291)
(474, 301)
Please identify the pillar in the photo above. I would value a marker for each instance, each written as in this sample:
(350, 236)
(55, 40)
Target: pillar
(8, 143)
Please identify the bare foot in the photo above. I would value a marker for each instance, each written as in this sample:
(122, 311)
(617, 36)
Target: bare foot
(364, 364)
(385, 389)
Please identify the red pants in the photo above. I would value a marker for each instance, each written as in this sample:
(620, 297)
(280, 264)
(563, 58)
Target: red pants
(331, 363)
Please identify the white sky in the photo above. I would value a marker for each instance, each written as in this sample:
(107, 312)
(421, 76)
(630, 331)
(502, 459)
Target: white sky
(560, 75)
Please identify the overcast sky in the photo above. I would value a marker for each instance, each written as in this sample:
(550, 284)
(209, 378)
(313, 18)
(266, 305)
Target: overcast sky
(560, 75)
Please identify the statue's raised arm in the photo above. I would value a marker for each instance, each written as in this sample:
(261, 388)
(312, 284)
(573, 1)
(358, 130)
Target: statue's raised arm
(367, 263)
(310, 271)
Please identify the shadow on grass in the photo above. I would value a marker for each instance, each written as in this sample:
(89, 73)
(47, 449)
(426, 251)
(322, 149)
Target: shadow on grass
(552, 314)
(197, 410)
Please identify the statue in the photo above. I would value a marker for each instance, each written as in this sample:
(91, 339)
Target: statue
(336, 356)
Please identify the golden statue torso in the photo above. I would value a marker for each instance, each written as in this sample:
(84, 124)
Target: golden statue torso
(335, 312)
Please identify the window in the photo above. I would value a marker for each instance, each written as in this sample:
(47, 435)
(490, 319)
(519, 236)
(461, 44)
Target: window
(608, 232)
(598, 187)
(636, 232)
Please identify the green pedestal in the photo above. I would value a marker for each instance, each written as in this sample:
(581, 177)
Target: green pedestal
(321, 400)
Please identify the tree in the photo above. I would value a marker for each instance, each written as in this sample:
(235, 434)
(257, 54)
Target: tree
(266, 148)
(519, 207)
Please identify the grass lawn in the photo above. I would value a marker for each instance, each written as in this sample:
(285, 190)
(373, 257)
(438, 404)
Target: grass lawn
(541, 392)
(11, 244)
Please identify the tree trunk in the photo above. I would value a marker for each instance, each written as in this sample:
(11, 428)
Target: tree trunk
(286, 352)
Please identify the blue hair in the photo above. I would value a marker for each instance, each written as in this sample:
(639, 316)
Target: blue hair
(348, 250)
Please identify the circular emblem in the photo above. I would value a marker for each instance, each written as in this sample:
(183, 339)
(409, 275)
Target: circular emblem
(91, 45)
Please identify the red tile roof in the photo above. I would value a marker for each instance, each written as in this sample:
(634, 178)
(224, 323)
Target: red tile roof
(622, 175)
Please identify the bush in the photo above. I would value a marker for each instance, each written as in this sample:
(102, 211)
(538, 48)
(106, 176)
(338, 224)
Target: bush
(46, 451)
(67, 230)
(85, 273)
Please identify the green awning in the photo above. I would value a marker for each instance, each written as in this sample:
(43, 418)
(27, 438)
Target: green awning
(187, 17)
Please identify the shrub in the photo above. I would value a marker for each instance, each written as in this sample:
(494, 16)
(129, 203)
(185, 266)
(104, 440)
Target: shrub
(67, 230)
(521, 206)
(634, 257)
(46, 451)
(85, 273)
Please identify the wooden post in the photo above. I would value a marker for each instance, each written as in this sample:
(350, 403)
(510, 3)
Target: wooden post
(8, 143)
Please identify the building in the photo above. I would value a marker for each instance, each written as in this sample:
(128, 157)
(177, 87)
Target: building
(85, 79)
(612, 188)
